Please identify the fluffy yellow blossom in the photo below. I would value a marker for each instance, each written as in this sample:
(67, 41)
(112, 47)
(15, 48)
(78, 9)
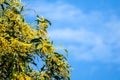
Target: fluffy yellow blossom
(1, 1)
(21, 44)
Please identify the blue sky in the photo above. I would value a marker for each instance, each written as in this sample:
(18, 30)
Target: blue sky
(89, 29)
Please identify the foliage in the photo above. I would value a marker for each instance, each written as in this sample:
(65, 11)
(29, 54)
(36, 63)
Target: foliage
(20, 44)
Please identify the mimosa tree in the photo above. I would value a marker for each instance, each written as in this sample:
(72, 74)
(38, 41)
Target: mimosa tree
(21, 43)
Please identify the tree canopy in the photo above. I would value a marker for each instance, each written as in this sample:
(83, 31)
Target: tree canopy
(21, 43)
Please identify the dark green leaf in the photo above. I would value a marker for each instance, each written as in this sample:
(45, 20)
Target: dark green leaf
(48, 22)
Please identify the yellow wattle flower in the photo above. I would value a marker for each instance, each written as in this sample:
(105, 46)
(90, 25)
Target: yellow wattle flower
(1, 1)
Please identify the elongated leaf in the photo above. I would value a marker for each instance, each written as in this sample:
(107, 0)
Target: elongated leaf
(66, 52)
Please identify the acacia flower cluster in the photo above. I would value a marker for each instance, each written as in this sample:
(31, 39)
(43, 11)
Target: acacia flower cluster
(20, 44)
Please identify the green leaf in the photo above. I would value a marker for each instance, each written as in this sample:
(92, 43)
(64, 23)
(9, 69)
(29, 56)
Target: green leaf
(36, 40)
(48, 22)
(66, 51)
(60, 45)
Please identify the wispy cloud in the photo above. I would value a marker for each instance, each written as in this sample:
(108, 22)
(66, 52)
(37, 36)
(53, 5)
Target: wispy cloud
(92, 36)
(89, 45)
(78, 36)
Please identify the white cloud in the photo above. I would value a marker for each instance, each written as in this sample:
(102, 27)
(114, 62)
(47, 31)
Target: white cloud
(89, 37)
(79, 35)
(61, 11)
(90, 46)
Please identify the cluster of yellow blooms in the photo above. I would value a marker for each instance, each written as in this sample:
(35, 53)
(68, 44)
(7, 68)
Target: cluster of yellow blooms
(20, 43)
